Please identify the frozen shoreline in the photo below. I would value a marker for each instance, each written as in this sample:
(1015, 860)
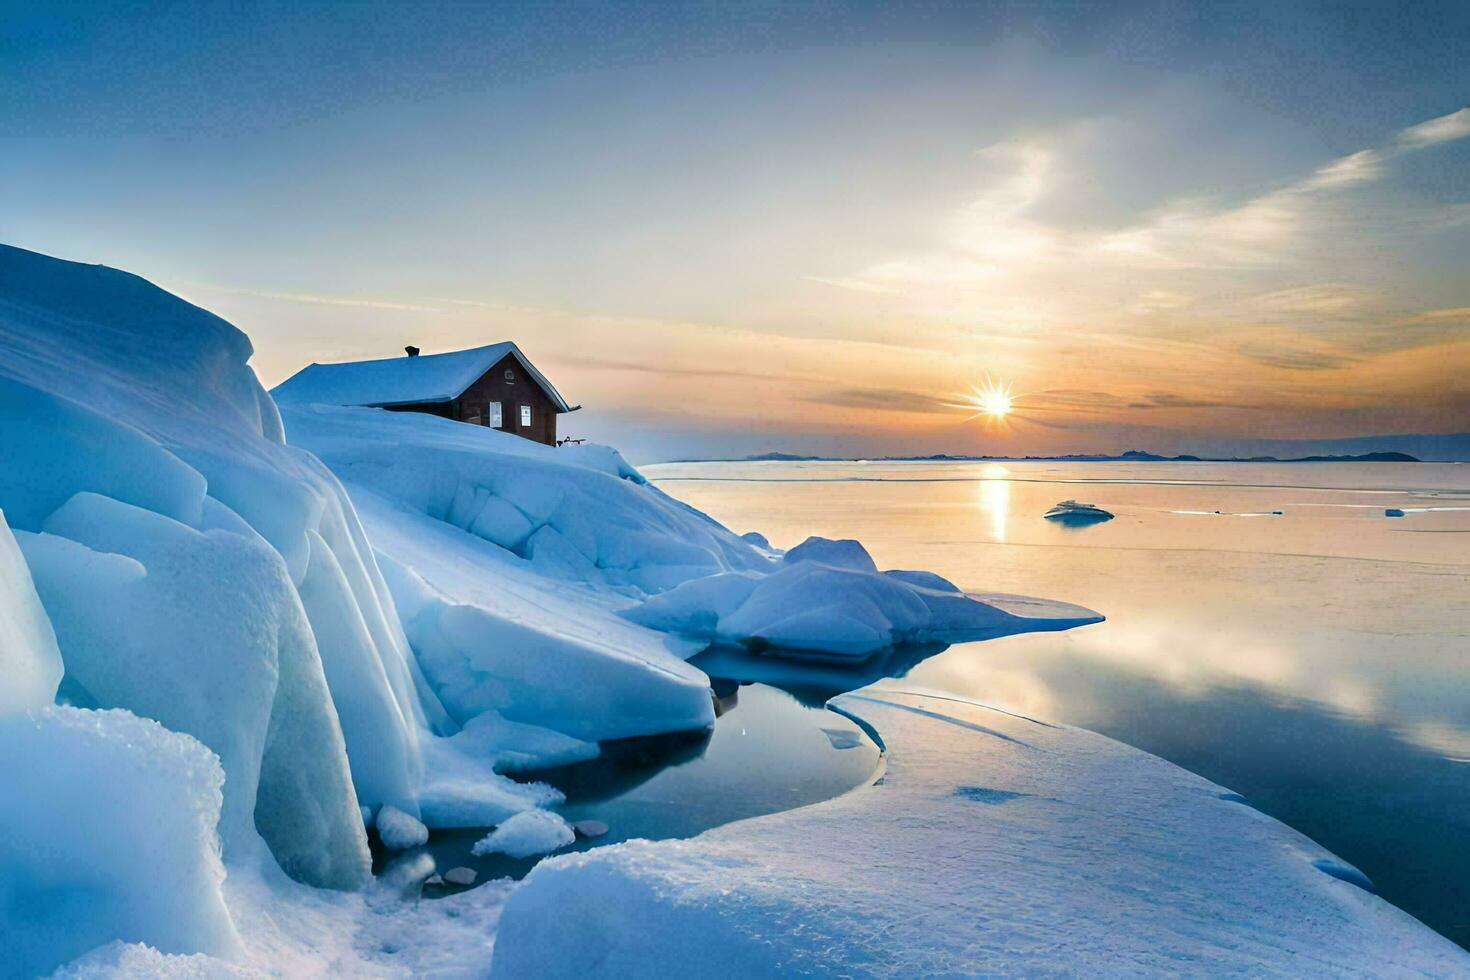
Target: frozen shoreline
(252, 674)
(991, 844)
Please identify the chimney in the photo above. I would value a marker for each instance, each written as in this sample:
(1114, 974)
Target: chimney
(412, 350)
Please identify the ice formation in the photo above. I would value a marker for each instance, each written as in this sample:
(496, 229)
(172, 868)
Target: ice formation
(106, 831)
(527, 835)
(30, 663)
(992, 845)
(398, 831)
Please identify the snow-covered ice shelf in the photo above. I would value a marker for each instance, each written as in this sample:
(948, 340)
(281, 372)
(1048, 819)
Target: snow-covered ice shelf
(993, 844)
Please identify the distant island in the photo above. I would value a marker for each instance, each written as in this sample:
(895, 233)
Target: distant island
(1131, 456)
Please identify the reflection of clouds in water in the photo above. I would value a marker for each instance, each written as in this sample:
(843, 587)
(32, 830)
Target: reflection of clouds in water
(968, 671)
(1443, 738)
(1188, 661)
(1193, 662)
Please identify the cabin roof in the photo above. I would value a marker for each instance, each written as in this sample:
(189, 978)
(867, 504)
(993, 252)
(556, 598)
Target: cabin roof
(405, 380)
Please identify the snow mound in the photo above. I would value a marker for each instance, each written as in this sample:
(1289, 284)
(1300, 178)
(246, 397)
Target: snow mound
(106, 832)
(828, 599)
(993, 845)
(528, 834)
(574, 513)
(487, 543)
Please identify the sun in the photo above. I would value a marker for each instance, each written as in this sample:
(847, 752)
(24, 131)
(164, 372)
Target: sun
(993, 400)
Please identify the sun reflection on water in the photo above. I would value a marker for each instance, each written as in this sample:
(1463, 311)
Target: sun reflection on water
(995, 499)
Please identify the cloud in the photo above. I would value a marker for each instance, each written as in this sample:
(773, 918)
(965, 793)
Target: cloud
(1295, 358)
(1455, 125)
(1355, 168)
(854, 284)
(1163, 399)
(1321, 301)
(1451, 315)
(884, 399)
(667, 369)
(319, 299)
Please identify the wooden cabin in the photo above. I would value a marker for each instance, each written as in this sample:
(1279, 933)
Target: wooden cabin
(495, 386)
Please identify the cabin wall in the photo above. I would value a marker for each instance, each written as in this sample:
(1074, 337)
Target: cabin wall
(520, 390)
(444, 410)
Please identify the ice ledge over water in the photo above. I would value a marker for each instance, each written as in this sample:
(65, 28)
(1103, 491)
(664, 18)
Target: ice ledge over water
(993, 844)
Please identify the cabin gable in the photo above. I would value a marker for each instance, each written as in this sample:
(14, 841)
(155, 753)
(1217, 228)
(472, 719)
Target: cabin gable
(511, 386)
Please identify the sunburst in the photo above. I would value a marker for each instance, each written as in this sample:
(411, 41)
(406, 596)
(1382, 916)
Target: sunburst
(992, 401)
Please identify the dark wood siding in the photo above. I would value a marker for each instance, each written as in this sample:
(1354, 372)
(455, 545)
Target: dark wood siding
(441, 409)
(512, 392)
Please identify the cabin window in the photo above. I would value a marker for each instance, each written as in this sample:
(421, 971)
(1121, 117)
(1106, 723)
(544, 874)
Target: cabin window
(492, 410)
(525, 416)
(510, 375)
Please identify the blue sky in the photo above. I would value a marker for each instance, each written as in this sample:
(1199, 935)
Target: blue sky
(812, 227)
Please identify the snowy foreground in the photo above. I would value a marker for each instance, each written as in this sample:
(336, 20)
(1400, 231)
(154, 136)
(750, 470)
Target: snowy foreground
(993, 844)
(235, 640)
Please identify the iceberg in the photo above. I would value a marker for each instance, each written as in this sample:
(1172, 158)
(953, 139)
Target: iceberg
(1074, 512)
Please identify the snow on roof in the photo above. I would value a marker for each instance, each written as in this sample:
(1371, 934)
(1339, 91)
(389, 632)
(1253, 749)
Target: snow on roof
(404, 380)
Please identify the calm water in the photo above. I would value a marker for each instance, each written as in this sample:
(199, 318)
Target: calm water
(768, 751)
(1317, 662)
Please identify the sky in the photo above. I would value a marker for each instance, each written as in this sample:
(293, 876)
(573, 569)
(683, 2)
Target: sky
(806, 227)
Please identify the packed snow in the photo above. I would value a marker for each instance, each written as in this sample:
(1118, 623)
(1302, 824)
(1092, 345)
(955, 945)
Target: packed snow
(993, 844)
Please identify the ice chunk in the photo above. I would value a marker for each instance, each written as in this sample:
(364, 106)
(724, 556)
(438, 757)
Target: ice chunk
(67, 448)
(512, 746)
(527, 834)
(227, 657)
(924, 580)
(30, 663)
(812, 608)
(522, 645)
(108, 833)
(590, 828)
(1073, 512)
(398, 831)
(844, 553)
(461, 876)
